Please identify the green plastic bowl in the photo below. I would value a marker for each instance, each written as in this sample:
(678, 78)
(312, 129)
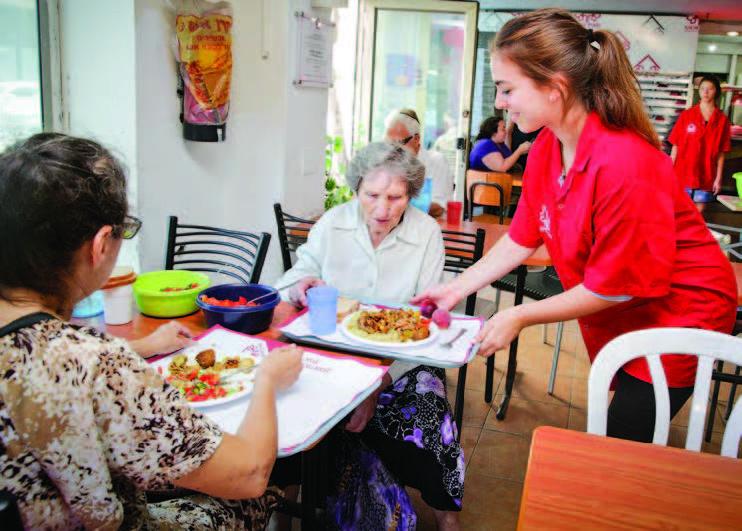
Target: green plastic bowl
(738, 177)
(152, 301)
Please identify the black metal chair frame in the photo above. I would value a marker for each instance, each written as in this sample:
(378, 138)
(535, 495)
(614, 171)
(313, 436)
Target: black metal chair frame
(537, 286)
(471, 204)
(463, 249)
(247, 250)
(718, 376)
(292, 233)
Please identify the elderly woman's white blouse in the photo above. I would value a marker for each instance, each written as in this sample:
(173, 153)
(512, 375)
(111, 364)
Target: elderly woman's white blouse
(339, 251)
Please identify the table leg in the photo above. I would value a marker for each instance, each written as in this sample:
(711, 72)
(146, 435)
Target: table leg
(513, 355)
(458, 415)
(310, 471)
(489, 378)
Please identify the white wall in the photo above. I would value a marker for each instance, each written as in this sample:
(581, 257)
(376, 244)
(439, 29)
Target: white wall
(99, 82)
(118, 57)
(275, 134)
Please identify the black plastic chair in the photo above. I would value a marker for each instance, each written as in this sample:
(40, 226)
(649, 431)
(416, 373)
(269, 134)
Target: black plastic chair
(718, 376)
(538, 286)
(471, 203)
(463, 249)
(237, 254)
(292, 232)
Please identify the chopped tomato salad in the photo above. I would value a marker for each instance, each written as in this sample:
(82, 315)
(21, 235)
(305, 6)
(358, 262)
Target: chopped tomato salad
(227, 303)
(198, 385)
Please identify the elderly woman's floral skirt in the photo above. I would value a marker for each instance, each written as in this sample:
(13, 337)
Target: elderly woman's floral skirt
(414, 433)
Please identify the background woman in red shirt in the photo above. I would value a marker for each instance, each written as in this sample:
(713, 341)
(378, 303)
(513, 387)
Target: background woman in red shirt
(628, 244)
(700, 138)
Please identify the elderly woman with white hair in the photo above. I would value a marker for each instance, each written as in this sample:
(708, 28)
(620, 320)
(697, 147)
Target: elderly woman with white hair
(379, 247)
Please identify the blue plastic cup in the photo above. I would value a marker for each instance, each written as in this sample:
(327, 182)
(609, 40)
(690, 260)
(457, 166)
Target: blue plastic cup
(323, 308)
(425, 197)
(90, 306)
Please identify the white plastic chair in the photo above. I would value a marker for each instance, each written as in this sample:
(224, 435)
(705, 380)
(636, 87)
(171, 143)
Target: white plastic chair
(651, 343)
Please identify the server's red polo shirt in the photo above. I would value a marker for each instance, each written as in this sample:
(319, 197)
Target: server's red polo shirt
(621, 224)
(699, 145)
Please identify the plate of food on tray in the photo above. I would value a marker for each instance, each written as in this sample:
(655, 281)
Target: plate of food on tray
(389, 327)
(209, 376)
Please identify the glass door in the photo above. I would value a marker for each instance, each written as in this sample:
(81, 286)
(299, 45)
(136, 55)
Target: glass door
(418, 54)
(20, 93)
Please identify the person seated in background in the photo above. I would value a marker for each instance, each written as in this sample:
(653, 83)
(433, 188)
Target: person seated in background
(491, 151)
(86, 425)
(518, 137)
(403, 129)
(379, 247)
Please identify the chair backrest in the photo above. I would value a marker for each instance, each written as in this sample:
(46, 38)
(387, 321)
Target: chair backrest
(489, 197)
(237, 254)
(494, 188)
(651, 344)
(292, 233)
(463, 249)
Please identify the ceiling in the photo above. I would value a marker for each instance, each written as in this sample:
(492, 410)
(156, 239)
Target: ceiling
(717, 16)
(705, 9)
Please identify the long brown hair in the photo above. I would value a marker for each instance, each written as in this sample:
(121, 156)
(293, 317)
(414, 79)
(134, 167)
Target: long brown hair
(546, 42)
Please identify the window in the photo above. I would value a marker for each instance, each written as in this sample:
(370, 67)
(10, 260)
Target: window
(20, 78)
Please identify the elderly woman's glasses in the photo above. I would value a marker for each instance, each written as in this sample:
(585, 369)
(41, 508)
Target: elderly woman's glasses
(128, 229)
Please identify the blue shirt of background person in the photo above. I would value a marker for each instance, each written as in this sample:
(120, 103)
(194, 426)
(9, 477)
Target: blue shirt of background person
(481, 149)
(490, 151)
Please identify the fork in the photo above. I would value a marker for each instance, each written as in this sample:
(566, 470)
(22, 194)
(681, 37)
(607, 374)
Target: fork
(450, 342)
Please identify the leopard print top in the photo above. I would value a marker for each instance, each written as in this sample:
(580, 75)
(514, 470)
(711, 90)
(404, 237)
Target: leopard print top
(86, 426)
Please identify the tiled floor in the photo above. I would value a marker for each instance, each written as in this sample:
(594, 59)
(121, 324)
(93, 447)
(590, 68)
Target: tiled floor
(497, 451)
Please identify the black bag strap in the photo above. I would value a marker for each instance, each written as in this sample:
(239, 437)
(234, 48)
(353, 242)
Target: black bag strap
(25, 322)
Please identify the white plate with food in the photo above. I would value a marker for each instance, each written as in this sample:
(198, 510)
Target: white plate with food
(389, 328)
(208, 376)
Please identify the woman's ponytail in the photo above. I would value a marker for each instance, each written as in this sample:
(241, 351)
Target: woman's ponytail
(613, 92)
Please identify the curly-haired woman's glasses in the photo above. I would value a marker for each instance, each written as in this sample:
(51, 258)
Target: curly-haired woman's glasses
(128, 229)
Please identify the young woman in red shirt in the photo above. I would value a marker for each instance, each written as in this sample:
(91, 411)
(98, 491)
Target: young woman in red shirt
(628, 244)
(699, 140)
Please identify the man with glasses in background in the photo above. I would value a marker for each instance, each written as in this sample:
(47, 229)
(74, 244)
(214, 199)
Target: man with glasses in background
(403, 128)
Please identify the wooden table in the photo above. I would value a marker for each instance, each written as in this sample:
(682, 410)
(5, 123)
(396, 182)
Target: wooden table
(493, 232)
(143, 325)
(312, 466)
(577, 480)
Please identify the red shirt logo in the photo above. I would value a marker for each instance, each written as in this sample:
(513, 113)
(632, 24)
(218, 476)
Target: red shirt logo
(691, 128)
(545, 220)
